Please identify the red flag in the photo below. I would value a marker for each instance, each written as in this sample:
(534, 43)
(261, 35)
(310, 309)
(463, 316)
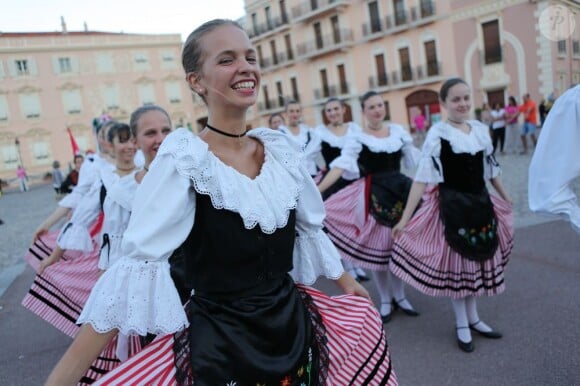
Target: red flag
(73, 143)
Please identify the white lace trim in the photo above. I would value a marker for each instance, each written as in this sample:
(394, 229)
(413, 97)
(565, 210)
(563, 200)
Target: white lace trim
(265, 200)
(122, 191)
(315, 255)
(136, 297)
(394, 142)
(324, 134)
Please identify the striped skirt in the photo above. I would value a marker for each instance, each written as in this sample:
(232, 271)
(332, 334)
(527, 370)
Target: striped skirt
(359, 238)
(422, 258)
(59, 294)
(358, 350)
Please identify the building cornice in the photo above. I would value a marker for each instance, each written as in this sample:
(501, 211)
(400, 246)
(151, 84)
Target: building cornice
(482, 9)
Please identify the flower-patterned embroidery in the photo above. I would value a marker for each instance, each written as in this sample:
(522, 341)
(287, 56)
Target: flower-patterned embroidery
(394, 214)
(475, 236)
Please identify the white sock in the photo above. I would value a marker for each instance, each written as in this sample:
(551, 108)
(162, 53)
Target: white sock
(381, 279)
(459, 308)
(349, 267)
(398, 288)
(473, 317)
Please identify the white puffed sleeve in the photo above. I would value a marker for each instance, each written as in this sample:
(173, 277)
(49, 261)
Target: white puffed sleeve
(88, 174)
(136, 295)
(556, 161)
(312, 151)
(429, 169)
(75, 234)
(411, 155)
(347, 160)
(314, 254)
(491, 168)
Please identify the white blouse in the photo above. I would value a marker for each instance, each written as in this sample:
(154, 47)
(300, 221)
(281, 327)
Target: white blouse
(89, 173)
(137, 294)
(556, 161)
(347, 142)
(75, 234)
(476, 140)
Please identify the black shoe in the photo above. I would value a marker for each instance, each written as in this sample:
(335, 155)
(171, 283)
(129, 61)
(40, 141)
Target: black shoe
(386, 318)
(465, 346)
(408, 311)
(361, 279)
(488, 334)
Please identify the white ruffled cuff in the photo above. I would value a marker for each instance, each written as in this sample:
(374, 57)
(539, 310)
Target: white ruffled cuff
(315, 255)
(348, 165)
(136, 297)
(75, 237)
(429, 170)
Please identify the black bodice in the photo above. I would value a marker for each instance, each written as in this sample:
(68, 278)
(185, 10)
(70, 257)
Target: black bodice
(329, 152)
(220, 257)
(463, 171)
(370, 162)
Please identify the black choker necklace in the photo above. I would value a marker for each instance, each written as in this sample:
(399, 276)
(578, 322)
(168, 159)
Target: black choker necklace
(224, 133)
(456, 122)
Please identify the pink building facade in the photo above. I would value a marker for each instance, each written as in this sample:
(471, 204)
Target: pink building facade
(404, 49)
(53, 81)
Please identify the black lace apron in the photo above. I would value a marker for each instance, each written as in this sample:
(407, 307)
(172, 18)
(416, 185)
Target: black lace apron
(465, 206)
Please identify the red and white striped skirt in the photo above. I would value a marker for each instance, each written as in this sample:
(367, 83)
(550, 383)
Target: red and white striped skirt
(366, 243)
(422, 258)
(358, 349)
(60, 293)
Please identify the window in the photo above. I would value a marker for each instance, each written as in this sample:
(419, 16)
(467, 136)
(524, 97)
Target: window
(318, 36)
(324, 83)
(260, 56)
(168, 60)
(105, 63)
(146, 94)
(72, 101)
(173, 91)
(294, 85)
(283, 11)
(342, 79)
(288, 43)
(266, 97)
(255, 23)
(491, 42)
(561, 47)
(3, 108)
(381, 72)
(41, 152)
(22, 67)
(111, 96)
(313, 4)
(1, 70)
(427, 8)
(400, 14)
(406, 72)
(335, 29)
(141, 61)
(575, 48)
(387, 111)
(64, 65)
(431, 57)
(268, 12)
(280, 94)
(10, 156)
(30, 105)
(374, 17)
(273, 49)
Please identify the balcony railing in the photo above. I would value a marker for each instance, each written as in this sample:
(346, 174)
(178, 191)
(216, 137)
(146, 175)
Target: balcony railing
(280, 58)
(381, 80)
(331, 91)
(429, 70)
(277, 104)
(314, 8)
(337, 40)
(270, 25)
(374, 27)
(424, 12)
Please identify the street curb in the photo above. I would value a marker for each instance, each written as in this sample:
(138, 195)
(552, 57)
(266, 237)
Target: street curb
(8, 276)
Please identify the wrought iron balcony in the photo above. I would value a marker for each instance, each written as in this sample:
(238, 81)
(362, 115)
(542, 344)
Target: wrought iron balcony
(310, 9)
(324, 44)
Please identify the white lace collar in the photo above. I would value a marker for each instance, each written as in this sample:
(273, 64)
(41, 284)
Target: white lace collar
(326, 135)
(265, 200)
(394, 142)
(476, 140)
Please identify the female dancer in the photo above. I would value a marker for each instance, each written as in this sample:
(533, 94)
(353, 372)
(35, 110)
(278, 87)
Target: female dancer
(332, 141)
(237, 212)
(458, 242)
(375, 202)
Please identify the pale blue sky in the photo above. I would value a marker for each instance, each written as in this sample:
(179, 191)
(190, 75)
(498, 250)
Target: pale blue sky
(143, 16)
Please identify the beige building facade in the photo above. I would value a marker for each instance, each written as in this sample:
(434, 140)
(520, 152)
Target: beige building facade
(404, 49)
(57, 80)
